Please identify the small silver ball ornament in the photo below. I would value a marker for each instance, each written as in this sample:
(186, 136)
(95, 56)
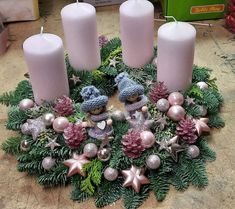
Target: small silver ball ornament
(203, 110)
(48, 163)
(48, 118)
(104, 154)
(118, 115)
(193, 151)
(162, 105)
(176, 113)
(90, 150)
(110, 174)
(153, 161)
(24, 145)
(147, 139)
(202, 85)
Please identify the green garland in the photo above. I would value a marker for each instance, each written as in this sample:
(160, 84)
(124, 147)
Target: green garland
(181, 174)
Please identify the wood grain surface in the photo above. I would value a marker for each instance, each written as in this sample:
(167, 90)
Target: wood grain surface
(215, 48)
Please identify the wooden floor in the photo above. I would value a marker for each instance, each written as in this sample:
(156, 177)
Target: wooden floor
(215, 48)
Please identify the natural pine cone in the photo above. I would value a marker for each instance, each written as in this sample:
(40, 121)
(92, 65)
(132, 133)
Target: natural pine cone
(131, 144)
(64, 106)
(74, 135)
(186, 130)
(158, 91)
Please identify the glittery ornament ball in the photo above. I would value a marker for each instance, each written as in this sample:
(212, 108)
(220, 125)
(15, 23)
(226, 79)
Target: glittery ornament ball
(176, 98)
(162, 105)
(153, 162)
(193, 151)
(202, 85)
(60, 123)
(48, 163)
(118, 115)
(110, 174)
(203, 110)
(176, 113)
(104, 154)
(90, 150)
(26, 104)
(48, 118)
(147, 139)
(24, 145)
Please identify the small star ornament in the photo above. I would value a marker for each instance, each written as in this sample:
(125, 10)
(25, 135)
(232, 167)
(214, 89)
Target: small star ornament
(75, 79)
(161, 122)
(113, 62)
(201, 125)
(140, 123)
(52, 144)
(134, 178)
(190, 101)
(76, 164)
(171, 146)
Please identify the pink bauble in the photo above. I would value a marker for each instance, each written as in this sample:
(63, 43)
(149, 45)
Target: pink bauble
(26, 104)
(202, 85)
(60, 123)
(162, 105)
(176, 98)
(147, 139)
(176, 113)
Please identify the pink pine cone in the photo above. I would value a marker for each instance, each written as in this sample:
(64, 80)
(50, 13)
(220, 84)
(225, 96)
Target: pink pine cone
(132, 145)
(64, 106)
(74, 135)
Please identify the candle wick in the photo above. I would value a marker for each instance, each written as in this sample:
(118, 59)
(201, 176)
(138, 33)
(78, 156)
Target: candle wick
(172, 18)
(41, 31)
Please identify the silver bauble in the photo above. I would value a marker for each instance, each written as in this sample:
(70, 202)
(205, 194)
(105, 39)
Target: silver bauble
(147, 139)
(203, 110)
(153, 162)
(202, 85)
(48, 163)
(24, 145)
(26, 104)
(48, 118)
(193, 151)
(118, 115)
(110, 174)
(90, 150)
(162, 105)
(176, 113)
(60, 123)
(104, 154)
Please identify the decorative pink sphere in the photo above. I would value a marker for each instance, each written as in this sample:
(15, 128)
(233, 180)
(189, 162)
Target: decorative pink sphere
(176, 98)
(176, 113)
(60, 123)
(163, 105)
(202, 85)
(26, 104)
(148, 139)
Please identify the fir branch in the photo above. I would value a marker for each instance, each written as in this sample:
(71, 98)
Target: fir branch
(200, 74)
(12, 145)
(108, 192)
(109, 48)
(133, 200)
(57, 176)
(78, 195)
(216, 121)
(159, 185)
(206, 153)
(16, 118)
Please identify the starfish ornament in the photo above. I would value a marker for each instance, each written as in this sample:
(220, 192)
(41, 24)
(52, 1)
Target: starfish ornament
(113, 62)
(201, 125)
(161, 122)
(76, 164)
(75, 79)
(190, 101)
(134, 178)
(140, 123)
(33, 127)
(52, 143)
(171, 146)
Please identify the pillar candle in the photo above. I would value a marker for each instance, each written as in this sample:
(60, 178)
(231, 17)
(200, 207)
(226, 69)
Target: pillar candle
(44, 55)
(175, 55)
(137, 32)
(80, 30)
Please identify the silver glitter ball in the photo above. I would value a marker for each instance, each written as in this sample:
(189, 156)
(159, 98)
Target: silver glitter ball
(25, 129)
(110, 174)
(153, 162)
(48, 118)
(193, 151)
(202, 85)
(48, 163)
(26, 104)
(203, 110)
(118, 115)
(24, 145)
(163, 105)
(90, 150)
(104, 154)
